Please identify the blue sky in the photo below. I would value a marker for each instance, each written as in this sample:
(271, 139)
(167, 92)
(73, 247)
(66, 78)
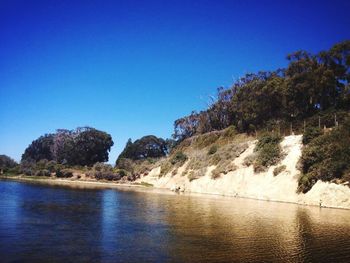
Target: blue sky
(131, 68)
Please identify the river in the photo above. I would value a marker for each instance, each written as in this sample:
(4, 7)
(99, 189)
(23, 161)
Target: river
(41, 223)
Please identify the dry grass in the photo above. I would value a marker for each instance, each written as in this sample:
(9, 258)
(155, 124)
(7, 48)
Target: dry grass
(217, 148)
(223, 167)
(249, 160)
(221, 148)
(172, 163)
(192, 175)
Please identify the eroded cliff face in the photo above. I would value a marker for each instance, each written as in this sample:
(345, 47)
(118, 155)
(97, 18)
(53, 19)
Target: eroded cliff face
(243, 182)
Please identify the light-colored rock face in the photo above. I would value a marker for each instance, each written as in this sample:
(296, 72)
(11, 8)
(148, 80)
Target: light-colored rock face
(243, 182)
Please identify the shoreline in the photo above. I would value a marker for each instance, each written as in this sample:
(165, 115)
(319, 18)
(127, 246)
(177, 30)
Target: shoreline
(132, 186)
(59, 181)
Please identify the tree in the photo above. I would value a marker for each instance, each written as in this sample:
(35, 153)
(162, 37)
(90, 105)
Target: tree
(82, 146)
(146, 147)
(6, 163)
(90, 146)
(311, 83)
(186, 127)
(39, 149)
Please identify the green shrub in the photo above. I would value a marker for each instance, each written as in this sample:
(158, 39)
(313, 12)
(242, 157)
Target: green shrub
(279, 169)
(267, 139)
(51, 166)
(179, 158)
(326, 157)
(102, 167)
(205, 140)
(305, 183)
(107, 175)
(175, 161)
(12, 171)
(41, 164)
(43, 172)
(213, 149)
(122, 172)
(65, 173)
(230, 132)
(165, 168)
(310, 134)
(126, 164)
(268, 151)
(6, 163)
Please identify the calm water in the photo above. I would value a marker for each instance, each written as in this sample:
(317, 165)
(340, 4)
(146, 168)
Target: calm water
(55, 224)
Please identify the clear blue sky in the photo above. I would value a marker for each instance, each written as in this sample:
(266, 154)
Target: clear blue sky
(131, 68)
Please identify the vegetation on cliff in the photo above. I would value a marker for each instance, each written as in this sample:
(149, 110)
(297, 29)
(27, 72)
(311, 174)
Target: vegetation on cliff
(279, 100)
(326, 157)
(268, 151)
(309, 96)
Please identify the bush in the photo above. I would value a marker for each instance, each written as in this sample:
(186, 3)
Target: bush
(326, 157)
(65, 173)
(28, 171)
(215, 174)
(267, 139)
(249, 160)
(268, 151)
(51, 166)
(305, 183)
(179, 158)
(213, 149)
(27, 168)
(310, 134)
(223, 167)
(41, 164)
(42, 173)
(215, 159)
(6, 163)
(122, 172)
(193, 175)
(230, 132)
(279, 169)
(165, 168)
(102, 167)
(109, 176)
(13, 171)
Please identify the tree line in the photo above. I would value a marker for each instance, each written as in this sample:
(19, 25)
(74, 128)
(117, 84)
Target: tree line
(82, 146)
(148, 146)
(309, 85)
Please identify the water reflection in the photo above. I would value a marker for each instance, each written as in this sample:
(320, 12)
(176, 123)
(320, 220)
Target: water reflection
(65, 224)
(110, 221)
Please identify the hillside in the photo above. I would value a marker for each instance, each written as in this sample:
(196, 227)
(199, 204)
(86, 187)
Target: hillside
(240, 180)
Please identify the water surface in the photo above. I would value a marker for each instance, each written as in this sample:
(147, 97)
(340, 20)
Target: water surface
(40, 223)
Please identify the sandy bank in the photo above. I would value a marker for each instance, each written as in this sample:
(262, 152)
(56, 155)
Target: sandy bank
(74, 183)
(243, 182)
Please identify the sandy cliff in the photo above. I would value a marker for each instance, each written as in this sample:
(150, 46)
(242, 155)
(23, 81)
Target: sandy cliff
(243, 182)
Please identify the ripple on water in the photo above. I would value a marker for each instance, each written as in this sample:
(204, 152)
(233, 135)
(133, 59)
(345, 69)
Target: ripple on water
(49, 224)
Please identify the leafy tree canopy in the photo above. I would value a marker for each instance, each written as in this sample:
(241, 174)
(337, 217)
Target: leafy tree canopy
(147, 147)
(6, 162)
(82, 146)
(310, 84)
